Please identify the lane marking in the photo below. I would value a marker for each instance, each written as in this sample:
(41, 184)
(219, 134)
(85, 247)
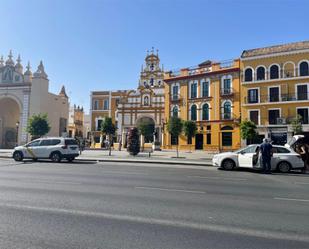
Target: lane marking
(290, 199)
(171, 190)
(302, 183)
(218, 178)
(123, 173)
(164, 222)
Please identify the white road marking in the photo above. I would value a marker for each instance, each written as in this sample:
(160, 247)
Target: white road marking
(219, 178)
(164, 222)
(172, 190)
(303, 183)
(124, 173)
(290, 199)
(53, 182)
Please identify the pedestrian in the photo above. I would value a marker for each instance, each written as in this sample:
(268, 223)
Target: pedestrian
(303, 150)
(266, 151)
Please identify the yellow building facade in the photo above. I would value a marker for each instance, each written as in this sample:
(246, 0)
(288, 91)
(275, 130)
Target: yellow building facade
(274, 89)
(76, 122)
(208, 94)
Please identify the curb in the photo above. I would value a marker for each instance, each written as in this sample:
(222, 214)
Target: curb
(136, 161)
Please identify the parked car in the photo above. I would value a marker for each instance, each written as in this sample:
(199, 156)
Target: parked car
(54, 148)
(284, 159)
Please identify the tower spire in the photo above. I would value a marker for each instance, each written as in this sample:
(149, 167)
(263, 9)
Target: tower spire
(10, 61)
(1, 61)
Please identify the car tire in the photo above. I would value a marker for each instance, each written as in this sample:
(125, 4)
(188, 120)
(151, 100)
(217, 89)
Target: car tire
(56, 157)
(71, 159)
(284, 167)
(18, 156)
(228, 164)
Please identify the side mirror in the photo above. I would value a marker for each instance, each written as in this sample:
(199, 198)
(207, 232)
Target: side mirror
(242, 152)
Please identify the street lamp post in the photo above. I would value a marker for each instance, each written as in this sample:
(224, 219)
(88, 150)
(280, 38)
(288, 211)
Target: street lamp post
(17, 126)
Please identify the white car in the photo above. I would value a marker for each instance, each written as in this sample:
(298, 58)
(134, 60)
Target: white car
(284, 159)
(54, 148)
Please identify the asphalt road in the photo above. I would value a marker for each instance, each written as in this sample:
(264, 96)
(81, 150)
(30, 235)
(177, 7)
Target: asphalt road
(119, 206)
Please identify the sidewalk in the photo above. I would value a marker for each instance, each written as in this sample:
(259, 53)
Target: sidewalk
(200, 158)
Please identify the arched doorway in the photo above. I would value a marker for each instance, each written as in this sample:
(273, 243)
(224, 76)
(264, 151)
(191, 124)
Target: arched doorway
(148, 124)
(9, 116)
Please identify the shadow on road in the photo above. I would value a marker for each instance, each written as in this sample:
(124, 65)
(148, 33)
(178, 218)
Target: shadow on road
(29, 161)
(256, 171)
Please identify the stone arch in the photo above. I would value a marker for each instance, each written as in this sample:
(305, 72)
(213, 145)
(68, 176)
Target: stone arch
(150, 121)
(9, 117)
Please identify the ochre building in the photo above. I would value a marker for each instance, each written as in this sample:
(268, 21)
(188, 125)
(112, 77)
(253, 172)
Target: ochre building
(208, 94)
(275, 84)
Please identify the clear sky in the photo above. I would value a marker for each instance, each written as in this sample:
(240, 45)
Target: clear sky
(100, 44)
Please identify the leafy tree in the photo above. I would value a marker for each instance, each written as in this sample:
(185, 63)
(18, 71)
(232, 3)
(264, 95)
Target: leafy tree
(133, 146)
(248, 130)
(38, 125)
(174, 127)
(190, 129)
(297, 126)
(109, 129)
(146, 128)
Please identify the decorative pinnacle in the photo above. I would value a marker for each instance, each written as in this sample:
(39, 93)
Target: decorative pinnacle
(10, 55)
(28, 66)
(18, 59)
(1, 60)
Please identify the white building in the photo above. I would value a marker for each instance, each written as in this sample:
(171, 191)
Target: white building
(23, 94)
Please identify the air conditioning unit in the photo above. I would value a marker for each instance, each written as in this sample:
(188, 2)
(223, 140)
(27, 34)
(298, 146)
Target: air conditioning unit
(281, 121)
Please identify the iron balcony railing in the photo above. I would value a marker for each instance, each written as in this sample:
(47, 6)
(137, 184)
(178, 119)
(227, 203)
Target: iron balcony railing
(226, 91)
(276, 98)
(175, 97)
(228, 116)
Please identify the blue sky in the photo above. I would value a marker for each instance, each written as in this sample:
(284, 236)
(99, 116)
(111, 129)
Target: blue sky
(100, 44)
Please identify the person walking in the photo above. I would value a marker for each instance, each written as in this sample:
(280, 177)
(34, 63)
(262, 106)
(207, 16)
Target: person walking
(266, 151)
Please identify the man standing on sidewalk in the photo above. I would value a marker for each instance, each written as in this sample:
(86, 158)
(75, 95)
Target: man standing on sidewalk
(266, 151)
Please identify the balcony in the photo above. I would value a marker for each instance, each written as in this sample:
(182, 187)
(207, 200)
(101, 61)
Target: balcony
(175, 98)
(226, 92)
(230, 116)
(276, 98)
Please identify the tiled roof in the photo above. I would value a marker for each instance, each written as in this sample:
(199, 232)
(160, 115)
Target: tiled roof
(276, 49)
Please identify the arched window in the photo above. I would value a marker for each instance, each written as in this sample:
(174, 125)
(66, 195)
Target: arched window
(175, 111)
(193, 112)
(288, 70)
(274, 72)
(303, 69)
(205, 112)
(248, 74)
(260, 73)
(227, 110)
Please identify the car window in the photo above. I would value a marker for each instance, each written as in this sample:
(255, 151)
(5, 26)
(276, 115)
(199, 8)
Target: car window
(281, 150)
(34, 143)
(70, 142)
(249, 149)
(45, 142)
(55, 141)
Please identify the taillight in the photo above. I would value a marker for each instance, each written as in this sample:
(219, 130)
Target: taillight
(64, 147)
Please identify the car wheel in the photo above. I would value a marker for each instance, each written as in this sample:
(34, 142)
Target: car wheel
(18, 156)
(70, 159)
(56, 157)
(284, 167)
(228, 164)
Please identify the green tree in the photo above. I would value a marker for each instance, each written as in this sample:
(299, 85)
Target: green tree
(109, 129)
(297, 126)
(133, 141)
(248, 130)
(146, 128)
(174, 127)
(38, 125)
(190, 129)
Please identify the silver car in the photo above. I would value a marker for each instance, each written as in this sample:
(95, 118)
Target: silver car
(284, 159)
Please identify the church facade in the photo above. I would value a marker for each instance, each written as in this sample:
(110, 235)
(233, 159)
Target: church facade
(128, 108)
(23, 94)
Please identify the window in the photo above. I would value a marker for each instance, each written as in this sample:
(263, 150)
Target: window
(227, 139)
(227, 88)
(151, 81)
(193, 90)
(249, 149)
(303, 69)
(45, 142)
(260, 73)
(302, 92)
(34, 143)
(274, 94)
(273, 115)
(70, 142)
(174, 140)
(280, 150)
(208, 138)
(99, 124)
(205, 112)
(254, 116)
(227, 109)
(274, 72)
(175, 92)
(95, 105)
(189, 140)
(193, 112)
(248, 74)
(253, 96)
(205, 87)
(105, 104)
(175, 111)
(303, 112)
